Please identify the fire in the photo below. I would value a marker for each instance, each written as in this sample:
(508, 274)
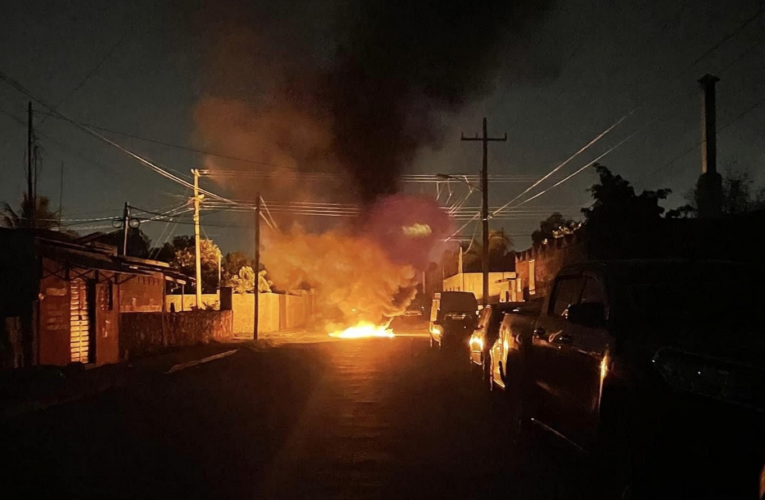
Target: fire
(362, 331)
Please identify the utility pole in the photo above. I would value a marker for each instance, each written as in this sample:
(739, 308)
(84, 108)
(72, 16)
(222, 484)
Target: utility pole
(220, 260)
(709, 185)
(61, 196)
(125, 227)
(197, 257)
(485, 139)
(256, 266)
(32, 203)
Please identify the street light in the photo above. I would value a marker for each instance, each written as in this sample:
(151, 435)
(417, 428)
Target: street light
(462, 179)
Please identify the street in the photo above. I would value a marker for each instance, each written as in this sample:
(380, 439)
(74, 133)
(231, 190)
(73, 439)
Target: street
(362, 419)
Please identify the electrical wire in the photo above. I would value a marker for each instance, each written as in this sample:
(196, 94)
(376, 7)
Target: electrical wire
(88, 75)
(705, 54)
(565, 162)
(178, 146)
(275, 226)
(696, 145)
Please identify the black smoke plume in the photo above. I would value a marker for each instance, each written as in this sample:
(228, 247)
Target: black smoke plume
(352, 87)
(401, 64)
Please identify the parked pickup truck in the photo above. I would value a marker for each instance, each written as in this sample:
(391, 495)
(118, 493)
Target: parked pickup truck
(655, 363)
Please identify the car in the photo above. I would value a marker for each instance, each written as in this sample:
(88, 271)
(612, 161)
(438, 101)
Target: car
(504, 356)
(486, 332)
(655, 367)
(452, 318)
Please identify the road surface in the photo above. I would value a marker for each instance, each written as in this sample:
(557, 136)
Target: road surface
(312, 418)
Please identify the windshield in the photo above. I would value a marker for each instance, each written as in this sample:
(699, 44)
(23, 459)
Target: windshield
(459, 302)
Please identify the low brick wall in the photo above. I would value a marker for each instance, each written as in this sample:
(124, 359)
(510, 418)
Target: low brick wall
(189, 301)
(143, 333)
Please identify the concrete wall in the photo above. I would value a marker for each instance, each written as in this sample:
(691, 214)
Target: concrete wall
(190, 300)
(269, 313)
(143, 333)
(275, 311)
(298, 309)
(546, 261)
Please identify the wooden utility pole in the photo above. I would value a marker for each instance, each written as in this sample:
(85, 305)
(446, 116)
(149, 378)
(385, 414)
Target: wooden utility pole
(197, 256)
(125, 227)
(61, 196)
(709, 185)
(31, 202)
(485, 139)
(256, 268)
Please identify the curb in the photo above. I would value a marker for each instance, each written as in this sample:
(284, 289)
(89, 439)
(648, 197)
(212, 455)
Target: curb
(197, 362)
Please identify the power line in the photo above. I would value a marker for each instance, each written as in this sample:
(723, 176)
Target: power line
(178, 146)
(87, 76)
(564, 163)
(696, 145)
(727, 37)
(705, 54)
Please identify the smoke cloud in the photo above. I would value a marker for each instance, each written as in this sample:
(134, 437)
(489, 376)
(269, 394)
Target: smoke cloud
(366, 275)
(352, 89)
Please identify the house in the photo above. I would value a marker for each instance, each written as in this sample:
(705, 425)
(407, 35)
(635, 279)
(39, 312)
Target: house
(502, 286)
(60, 299)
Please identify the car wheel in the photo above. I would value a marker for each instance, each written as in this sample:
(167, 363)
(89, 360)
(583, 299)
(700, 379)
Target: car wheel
(523, 431)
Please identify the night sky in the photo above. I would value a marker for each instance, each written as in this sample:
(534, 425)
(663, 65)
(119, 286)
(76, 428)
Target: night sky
(144, 67)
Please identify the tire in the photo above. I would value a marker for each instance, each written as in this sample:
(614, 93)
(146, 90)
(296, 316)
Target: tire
(521, 406)
(523, 428)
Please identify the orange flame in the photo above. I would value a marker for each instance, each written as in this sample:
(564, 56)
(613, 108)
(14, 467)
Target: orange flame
(363, 330)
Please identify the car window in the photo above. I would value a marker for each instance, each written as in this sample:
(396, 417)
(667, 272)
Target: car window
(434, 310)
(567, 292)
(593, 291)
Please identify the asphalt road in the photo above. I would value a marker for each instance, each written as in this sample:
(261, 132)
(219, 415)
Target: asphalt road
(316, 418)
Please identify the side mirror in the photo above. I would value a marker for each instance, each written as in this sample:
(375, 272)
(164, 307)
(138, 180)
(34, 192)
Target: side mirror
(589, 314)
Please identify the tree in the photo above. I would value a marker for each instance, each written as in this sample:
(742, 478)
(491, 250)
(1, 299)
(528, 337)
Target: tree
(244, 281)
(620, 222)
(138, 242)
(166, 253)
(209, 255)
(233, 262)
(552, 227)
(739, 196)
(19, 218)
(501, 256)
(617, 205)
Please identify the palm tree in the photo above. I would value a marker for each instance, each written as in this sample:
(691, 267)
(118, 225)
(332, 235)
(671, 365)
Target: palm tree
(44, 218)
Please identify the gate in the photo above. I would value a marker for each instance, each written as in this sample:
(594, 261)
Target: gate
(80, 322)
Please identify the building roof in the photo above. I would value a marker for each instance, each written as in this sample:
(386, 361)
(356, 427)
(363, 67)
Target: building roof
(94, 256)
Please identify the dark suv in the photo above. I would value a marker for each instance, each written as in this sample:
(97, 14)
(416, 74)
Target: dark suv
(658, 366)
(485, 334)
